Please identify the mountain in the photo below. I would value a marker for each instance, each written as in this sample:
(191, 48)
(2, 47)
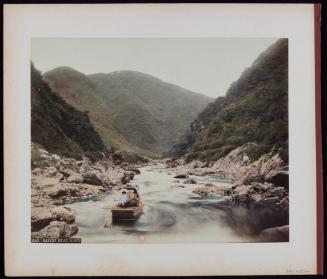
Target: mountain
(132, 111)
(255, 109)
(59, 127)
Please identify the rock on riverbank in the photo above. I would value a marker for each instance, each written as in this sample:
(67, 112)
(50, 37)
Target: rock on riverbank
(262, 182)
(58, 181)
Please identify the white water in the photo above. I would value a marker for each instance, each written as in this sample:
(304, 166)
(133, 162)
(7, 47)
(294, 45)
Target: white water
(171, 214)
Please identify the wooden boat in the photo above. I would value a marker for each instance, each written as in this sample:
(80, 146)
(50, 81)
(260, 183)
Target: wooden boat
(127, 213)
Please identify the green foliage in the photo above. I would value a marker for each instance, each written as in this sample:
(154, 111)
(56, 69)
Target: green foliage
(255, 109)
(132, 111)
(57, 126)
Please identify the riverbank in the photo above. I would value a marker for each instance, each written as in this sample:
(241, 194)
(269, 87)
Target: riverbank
(260, 184)
(233, 199)
(58, 181)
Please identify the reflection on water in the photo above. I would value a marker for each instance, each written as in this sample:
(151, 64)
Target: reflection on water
(172, 214)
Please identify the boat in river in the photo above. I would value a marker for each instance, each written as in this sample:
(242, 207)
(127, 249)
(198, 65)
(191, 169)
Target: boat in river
(129, 207)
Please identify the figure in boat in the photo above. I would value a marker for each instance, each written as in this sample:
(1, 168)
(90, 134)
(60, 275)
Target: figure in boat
(129, 205)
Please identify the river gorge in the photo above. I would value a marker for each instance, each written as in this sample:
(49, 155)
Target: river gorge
(183, 202)
(172, 213)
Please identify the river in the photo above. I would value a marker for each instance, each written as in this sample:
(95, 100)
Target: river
(171, 214)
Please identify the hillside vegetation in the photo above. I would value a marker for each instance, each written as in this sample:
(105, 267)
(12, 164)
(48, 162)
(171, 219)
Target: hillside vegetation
(255, 109)
(58, 126)
(132, 111)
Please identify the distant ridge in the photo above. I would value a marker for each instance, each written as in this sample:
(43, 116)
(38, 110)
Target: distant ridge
(132, 111)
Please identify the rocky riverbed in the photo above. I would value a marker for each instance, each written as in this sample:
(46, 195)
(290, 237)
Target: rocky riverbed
(58, 181)
(242, 199)
(260, 184)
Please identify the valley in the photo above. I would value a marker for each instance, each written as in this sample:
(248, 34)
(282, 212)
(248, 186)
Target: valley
(203, 205)
(207, 170)
(132, 111)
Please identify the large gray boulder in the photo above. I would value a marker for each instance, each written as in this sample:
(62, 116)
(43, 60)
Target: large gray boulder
(40, 218)
(93, 178)
(65, 214)
(57, 229)
(277, 234)
(75, 178)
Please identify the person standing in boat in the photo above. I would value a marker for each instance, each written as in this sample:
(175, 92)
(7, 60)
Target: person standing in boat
(122, 198)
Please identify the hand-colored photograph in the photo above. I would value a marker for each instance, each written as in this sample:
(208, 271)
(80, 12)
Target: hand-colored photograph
(159, 140)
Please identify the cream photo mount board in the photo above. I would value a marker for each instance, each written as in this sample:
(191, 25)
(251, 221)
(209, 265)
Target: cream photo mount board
(22, 23)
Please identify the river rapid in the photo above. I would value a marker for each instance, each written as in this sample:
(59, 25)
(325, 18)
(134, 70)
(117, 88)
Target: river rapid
(171, 214)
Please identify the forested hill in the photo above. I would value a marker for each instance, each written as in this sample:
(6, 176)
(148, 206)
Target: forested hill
(132, 111)
(59, 127)
(255, 109)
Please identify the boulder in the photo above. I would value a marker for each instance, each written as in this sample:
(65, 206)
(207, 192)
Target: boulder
(234, 159)
(55, 157)
(211, 191)
(133, 169)
(190, 181)
(181, 175)
(63, 191)
(277, 234)
(243, 189)
(65, 214)
(249, 176)
(280, 178)
(261, 187)
(75, 178)
(40, 218)
(65, 172)
(37, 171)
(59, 193)
(68, 163)
(57, 229)
(243, 193)
(93, 178)
(40, 201)
(51, 171)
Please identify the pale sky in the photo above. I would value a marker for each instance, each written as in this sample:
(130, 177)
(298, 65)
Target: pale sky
(203, 65)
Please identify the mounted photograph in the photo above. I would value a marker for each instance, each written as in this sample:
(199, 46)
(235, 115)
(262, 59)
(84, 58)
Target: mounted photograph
(159, 140)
